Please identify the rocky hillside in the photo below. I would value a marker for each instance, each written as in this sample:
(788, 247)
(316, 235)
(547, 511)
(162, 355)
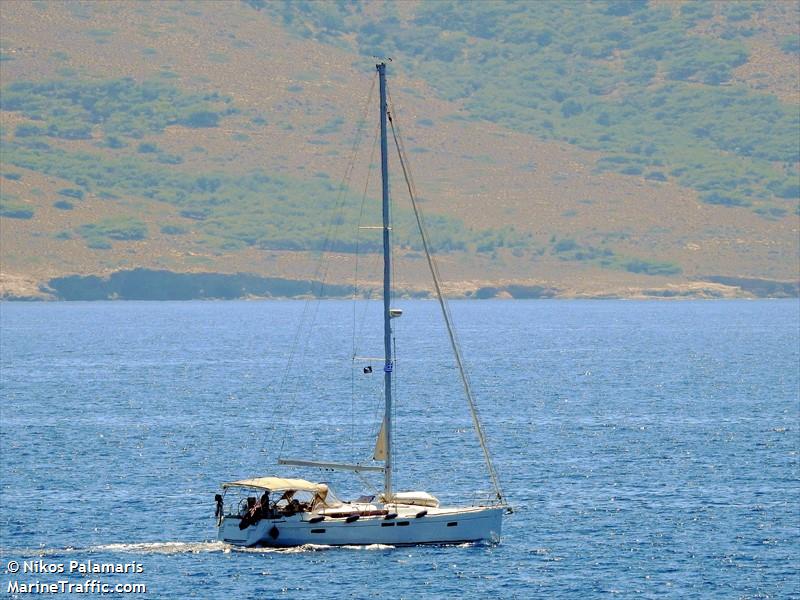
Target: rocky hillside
(611, 149)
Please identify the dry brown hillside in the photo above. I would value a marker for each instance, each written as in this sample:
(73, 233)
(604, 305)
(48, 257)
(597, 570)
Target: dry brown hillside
(298, 105)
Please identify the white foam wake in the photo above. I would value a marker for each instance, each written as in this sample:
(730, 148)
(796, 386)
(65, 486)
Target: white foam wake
(180, 548)
(163, 547)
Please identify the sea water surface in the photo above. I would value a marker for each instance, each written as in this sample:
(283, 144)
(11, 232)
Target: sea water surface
(649, 449)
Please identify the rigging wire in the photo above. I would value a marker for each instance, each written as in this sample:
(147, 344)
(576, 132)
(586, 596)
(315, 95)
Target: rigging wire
(444, 305)
(320, 275)
(355, 296)
(360, 322)
(358, 235)
(334, 225)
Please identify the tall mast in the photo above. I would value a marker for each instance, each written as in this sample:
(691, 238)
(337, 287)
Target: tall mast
(387, 290)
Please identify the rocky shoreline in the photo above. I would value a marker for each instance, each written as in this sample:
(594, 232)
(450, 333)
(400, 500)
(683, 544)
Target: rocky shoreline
(149, 284)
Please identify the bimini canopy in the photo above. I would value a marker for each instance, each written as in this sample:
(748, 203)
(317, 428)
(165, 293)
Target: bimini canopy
(279, 484)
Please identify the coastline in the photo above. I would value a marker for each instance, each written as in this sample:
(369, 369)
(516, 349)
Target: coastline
(151, 284)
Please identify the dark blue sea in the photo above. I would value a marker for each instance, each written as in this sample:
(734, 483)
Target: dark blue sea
(649, 449)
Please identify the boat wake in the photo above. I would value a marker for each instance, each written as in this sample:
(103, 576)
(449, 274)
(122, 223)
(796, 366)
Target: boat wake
(181, 548)
(163, 548)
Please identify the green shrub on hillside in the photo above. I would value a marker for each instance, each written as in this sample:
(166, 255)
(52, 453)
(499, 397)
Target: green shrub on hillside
(254, 209)
(332, 126)
(122, 107)
(98, 244)
(72, 193)
(27, 130)
(737, 11)
(114, 142)
(569, 249)
(772, 213)
(790, 44)
(174, 230)
(200, 118)
(115, 228)
(544, 67)
(723, 199)
(170, 159)
(651, 267)
(565, 245)
(697, 11)
(14, 209)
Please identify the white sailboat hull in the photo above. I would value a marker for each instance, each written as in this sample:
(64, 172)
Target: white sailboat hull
(438, 526)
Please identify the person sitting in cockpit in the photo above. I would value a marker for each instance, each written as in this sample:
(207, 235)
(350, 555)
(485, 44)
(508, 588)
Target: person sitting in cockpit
(293, 507)
(261, 509)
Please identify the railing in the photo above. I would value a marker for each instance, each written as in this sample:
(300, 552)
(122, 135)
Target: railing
(485, 498)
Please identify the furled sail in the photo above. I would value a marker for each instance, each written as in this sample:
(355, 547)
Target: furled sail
(380, 444)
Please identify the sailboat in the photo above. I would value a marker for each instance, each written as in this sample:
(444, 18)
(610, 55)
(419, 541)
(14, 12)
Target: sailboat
(278, 511)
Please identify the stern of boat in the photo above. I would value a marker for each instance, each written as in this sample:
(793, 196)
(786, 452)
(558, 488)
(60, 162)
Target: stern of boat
(229, 532)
